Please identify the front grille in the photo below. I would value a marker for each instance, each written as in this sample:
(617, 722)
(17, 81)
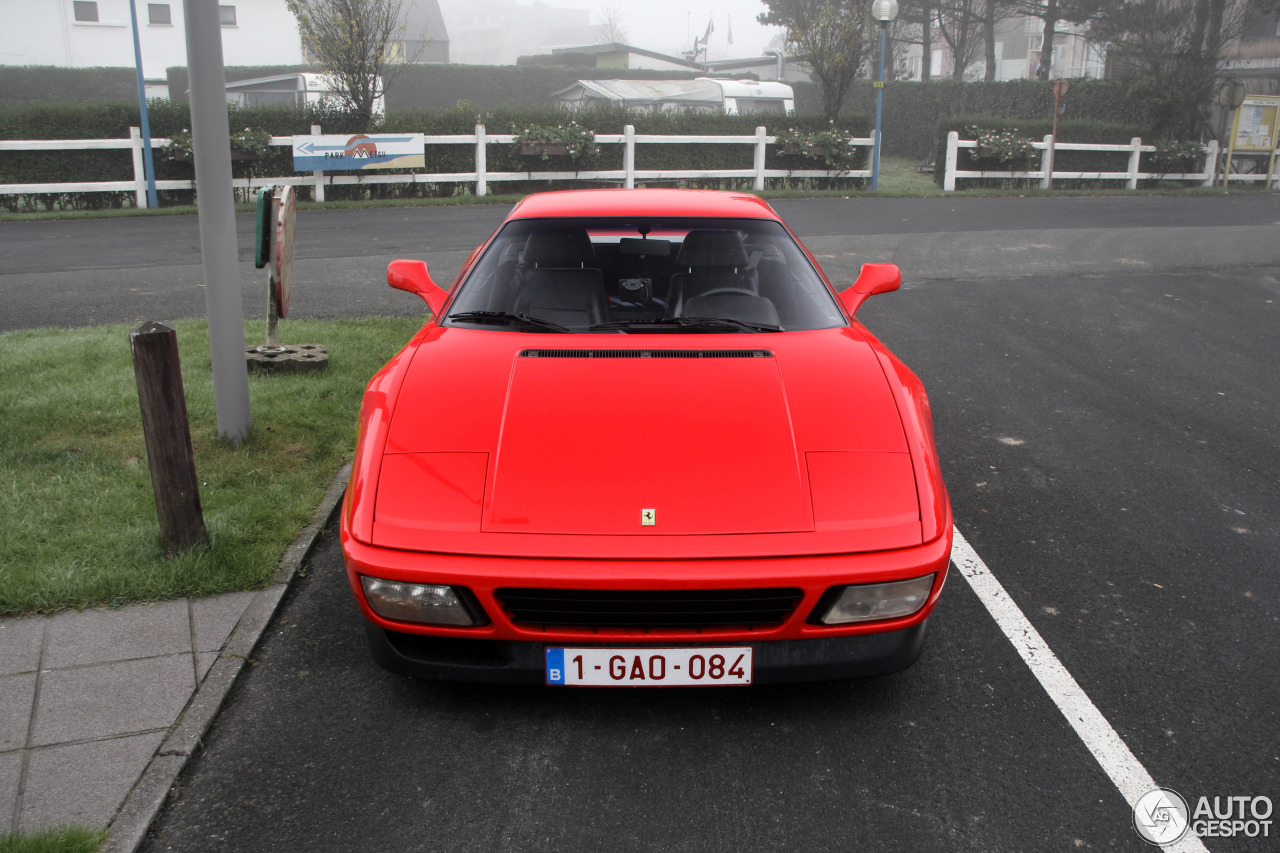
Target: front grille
(646, 353)
(650, 609)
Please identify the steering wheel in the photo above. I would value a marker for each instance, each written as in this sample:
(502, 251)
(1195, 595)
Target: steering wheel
(720, 291)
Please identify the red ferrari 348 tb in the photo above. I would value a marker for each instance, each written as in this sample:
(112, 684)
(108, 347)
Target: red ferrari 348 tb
(643, 441)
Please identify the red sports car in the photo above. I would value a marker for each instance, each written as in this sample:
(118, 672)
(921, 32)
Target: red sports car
(643, 441)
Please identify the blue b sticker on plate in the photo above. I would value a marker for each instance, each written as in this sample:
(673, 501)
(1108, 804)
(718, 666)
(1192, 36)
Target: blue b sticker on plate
(555, 666)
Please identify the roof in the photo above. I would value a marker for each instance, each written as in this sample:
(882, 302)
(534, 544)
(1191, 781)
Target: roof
(643, 202)
(650, 90)
(709, 90)
(619, 47)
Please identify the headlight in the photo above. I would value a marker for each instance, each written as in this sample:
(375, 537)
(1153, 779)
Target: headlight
(428, 604)
(873, 601)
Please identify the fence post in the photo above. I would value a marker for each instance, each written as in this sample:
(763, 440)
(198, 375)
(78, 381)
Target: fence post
(629, 157)
(1046, 162)
(168, 436)
(949, 167)
(1134, 157)
(1211, 163)
(482, 161)
(139, 174)
(318, 193)
(759, 164)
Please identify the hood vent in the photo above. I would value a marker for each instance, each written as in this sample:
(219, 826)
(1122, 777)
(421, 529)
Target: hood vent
(646, 353)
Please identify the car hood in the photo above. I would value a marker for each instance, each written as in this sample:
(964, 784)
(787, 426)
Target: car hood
(498, 435)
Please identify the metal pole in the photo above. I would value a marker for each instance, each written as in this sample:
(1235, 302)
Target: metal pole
(148, 160)
(875, 154)
(211, 138)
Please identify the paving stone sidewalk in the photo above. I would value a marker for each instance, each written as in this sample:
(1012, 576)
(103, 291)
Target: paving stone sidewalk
(100, 709)
(86, 699)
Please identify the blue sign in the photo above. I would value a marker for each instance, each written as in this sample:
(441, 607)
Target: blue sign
(344, 153)
(555, 666)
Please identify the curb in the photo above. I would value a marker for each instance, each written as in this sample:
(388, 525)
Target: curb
(128, 829)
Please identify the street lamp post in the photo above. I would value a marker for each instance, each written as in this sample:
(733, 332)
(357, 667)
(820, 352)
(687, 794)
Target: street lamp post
(883, 11)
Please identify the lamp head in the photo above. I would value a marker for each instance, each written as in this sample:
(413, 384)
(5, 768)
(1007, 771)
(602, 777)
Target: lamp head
(884, 11)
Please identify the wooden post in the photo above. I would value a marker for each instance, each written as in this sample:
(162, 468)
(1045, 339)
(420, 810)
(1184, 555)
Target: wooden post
(317, 193)
(949, 167)
(758, 184)
(629, 157)
(482, 161)
(168, 436)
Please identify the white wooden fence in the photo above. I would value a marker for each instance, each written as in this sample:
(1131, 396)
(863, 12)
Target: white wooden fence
(1130, 175)
(481, 177)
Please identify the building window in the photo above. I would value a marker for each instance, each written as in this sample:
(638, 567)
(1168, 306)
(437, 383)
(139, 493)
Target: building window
(159, 14)
(228, 14)
(86, 10)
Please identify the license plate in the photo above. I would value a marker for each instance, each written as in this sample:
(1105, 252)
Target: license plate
(631, 667)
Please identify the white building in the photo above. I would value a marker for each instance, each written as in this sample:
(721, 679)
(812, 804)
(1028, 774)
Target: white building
(97, 33)
(497, 32)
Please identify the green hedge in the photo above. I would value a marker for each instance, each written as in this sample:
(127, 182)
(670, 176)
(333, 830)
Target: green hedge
(48, 84)
(1105, 133)
(912, 109)
(167, 117)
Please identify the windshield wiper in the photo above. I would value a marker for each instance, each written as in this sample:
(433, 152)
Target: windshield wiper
(686, 324)
(502, 318)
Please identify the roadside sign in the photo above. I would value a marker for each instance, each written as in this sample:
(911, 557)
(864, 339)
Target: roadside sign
(286, 225)
(332, 152)
(262, 236)
(1255, 124)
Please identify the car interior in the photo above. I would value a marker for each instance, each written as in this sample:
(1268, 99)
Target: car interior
(584, 276)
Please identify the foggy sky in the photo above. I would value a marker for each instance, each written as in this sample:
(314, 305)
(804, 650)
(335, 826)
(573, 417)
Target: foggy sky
(669, 26)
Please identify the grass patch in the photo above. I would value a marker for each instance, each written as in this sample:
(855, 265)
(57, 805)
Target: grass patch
(62, 839)
(75, 490)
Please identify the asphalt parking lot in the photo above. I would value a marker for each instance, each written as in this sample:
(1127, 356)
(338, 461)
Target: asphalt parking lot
(1105, 413)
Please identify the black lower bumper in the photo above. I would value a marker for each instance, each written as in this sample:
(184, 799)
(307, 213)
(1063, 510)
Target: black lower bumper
(518, 662)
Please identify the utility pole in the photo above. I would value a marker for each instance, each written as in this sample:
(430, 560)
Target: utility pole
(211, 140)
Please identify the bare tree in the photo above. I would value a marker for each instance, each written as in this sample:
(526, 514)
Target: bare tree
(993, 12)
(960, 24)
(1169, 52)
(1052, 13)
(614, 29)
(917, 16)
(354, 42)
(833, 37)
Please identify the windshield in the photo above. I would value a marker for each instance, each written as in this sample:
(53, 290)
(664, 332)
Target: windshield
(644, 276)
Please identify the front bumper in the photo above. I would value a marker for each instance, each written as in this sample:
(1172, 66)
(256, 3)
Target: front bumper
(523, 662)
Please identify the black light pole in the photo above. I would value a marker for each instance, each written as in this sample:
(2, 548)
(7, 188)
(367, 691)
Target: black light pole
(883, 11)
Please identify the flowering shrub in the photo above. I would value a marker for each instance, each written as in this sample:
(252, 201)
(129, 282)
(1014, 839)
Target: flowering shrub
(1005, 146)
(180, 145)
(578, 141)
(249, 140)
(1174, 156)
(829, 147)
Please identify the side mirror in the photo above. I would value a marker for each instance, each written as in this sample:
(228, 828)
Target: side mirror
(874, 278)
(412, 277)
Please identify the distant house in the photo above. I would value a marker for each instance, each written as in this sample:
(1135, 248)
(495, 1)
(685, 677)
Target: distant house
(97, 33)
(497, 32)
(618, 55)
(704, 94)
(425, 39)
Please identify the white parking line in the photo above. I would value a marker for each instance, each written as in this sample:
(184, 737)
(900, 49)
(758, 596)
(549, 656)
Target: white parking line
(1117, 761)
